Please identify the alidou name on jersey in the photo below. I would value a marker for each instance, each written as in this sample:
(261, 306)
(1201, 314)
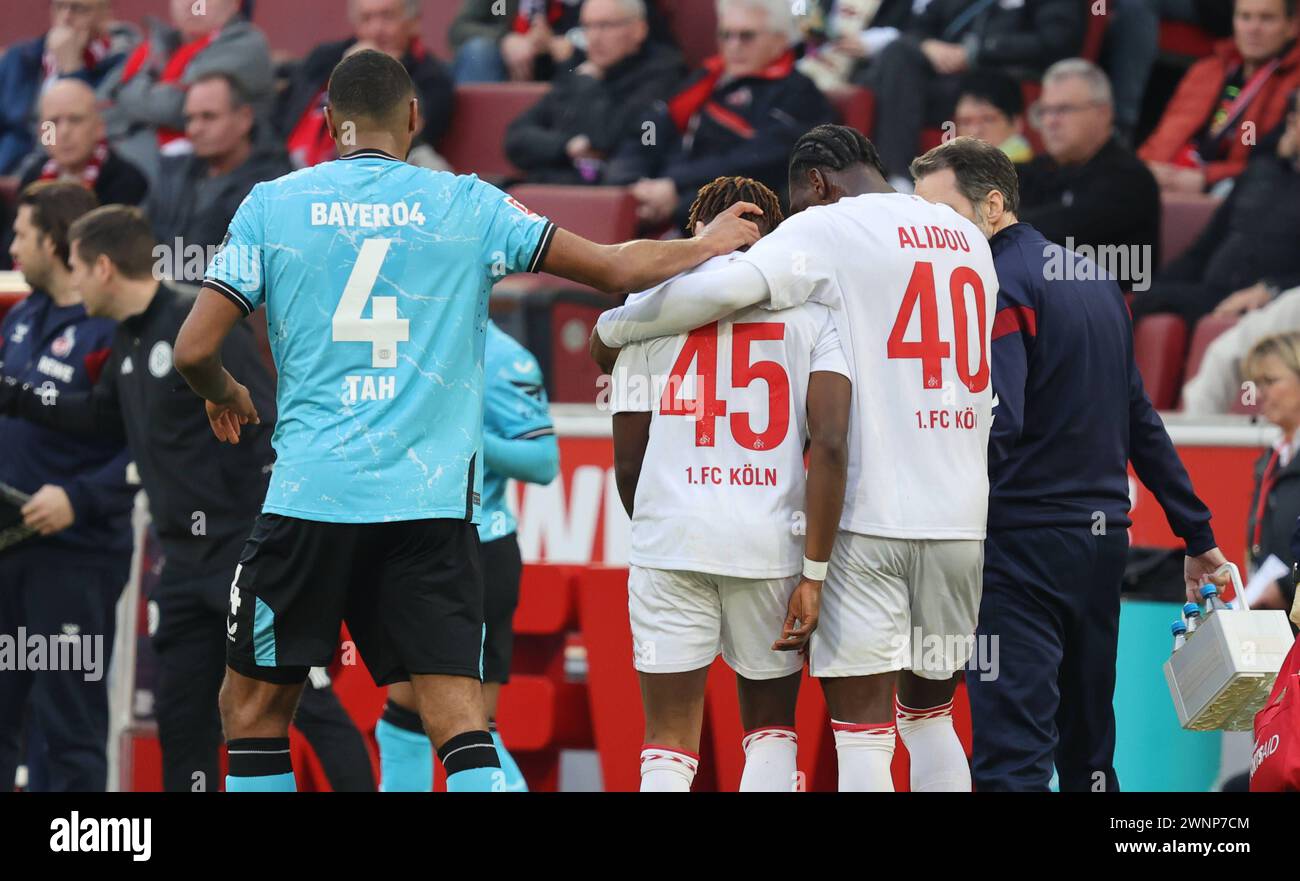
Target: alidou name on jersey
(744, 475)
(932, 237)
(380, 216)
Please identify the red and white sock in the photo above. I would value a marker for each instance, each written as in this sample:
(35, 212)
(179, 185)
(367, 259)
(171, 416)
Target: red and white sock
(865, 752)
(938, 761)
(664, 769)
(770, 760)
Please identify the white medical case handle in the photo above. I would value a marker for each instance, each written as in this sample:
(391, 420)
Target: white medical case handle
(1238, 591)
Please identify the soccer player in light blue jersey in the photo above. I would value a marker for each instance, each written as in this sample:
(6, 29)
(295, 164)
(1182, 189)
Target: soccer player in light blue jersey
(518, 444)
(375, 276)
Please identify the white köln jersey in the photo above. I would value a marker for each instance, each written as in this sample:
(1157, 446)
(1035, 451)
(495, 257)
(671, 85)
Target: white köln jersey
(722, 482)
(913, 290)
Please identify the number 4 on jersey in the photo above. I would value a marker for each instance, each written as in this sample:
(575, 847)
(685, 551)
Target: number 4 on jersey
(384, 330)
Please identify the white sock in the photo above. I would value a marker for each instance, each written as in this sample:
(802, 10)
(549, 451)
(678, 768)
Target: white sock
(664, 769)
(938, 760)
(865, 752)
(770, 761)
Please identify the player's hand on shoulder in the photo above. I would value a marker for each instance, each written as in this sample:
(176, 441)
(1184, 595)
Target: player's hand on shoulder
(801, 617)
(228, 415)
(729, 231)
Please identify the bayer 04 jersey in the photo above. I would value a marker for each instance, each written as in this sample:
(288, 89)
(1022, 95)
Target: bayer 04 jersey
(914, 292)
(515, 408)
(722, 482)
(375, 275)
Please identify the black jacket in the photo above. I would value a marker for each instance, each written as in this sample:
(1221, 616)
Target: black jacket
(1253, 236)
(1112, 199)
(186, 203)
(432, 79)
(203, 494)
(605, 110)
(747, 127)
(1281, 514)
(1029, 36)
(1071, 408)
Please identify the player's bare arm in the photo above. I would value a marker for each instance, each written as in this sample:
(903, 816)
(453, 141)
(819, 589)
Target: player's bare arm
(635, 266)
(198, 359)
(829, 400)
(631, 436)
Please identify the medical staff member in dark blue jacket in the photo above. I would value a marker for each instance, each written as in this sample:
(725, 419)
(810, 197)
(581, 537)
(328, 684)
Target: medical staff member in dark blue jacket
(1070, 412)
(62, 586)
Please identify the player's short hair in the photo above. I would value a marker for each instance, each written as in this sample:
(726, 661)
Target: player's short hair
(119, 232)
(369, 85)
(994, 87)
(980, 168)
(834, 148)
(719, 195)
(1286, 346)
(1093, 77)
(56, 205)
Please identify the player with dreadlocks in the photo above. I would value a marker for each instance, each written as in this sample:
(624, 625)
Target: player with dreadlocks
(709, 435)
(913, 290)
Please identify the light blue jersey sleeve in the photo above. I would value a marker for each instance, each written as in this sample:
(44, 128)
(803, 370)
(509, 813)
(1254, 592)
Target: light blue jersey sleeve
(237, 270)
(514, 238)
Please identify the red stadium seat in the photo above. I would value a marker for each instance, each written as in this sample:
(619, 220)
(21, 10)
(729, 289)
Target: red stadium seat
(695, 26)
(476, 141)
(1183, 217)
(1160, 345)
(1185, 40)
(1207, 331)
(855, 107)
(1095, 34)
(603, 214)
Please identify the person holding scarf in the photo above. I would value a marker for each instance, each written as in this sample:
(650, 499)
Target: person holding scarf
(81, 44)
(741, 114)
(146, 118)
(1227, 102)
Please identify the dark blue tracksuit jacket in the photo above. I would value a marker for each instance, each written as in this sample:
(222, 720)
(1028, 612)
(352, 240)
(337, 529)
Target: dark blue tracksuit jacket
(1071, 408)
(59, 347)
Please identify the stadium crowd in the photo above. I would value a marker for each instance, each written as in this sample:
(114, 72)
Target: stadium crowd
(184, 116)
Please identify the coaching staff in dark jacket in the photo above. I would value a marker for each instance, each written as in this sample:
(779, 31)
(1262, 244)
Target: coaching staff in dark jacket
(203, 495)
(1070, 413)
(565, 137)
(65, 584)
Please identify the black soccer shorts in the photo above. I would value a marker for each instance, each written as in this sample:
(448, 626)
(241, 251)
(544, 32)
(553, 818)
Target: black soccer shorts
(410, 591)
(502, 569)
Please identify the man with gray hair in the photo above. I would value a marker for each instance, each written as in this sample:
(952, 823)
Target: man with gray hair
(390, 26)
(1089, 191)
(740, 114)
(1069, 414)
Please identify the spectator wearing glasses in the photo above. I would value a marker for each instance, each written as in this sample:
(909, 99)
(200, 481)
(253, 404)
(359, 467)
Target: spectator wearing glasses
(566, 137)
(525, 40)
(147, 91)
(389, 26)
(1227, 102)
(1089, 189)
(740, 115)
(991, 108)
(80, 44)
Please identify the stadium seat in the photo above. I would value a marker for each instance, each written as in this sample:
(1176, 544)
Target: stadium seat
(695, 26)
(1095, 35)
(476, 141)
(855, 107)
(1207, 331)
(603, 214)
(1185, 40)
(1183, 217)
(1160, 346)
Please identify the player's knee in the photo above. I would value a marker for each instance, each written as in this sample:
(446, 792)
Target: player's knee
(255, 709)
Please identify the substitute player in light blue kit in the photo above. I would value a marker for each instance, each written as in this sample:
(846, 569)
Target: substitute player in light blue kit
(375, 276)
(518, 443)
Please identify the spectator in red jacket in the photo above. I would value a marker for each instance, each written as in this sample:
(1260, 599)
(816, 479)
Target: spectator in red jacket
(1228, 101)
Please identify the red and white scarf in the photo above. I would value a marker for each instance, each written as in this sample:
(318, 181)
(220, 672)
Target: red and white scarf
(170, 141)
(51, 170)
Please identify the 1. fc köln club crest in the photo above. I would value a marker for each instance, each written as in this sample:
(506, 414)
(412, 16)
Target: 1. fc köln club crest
(62, 347)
